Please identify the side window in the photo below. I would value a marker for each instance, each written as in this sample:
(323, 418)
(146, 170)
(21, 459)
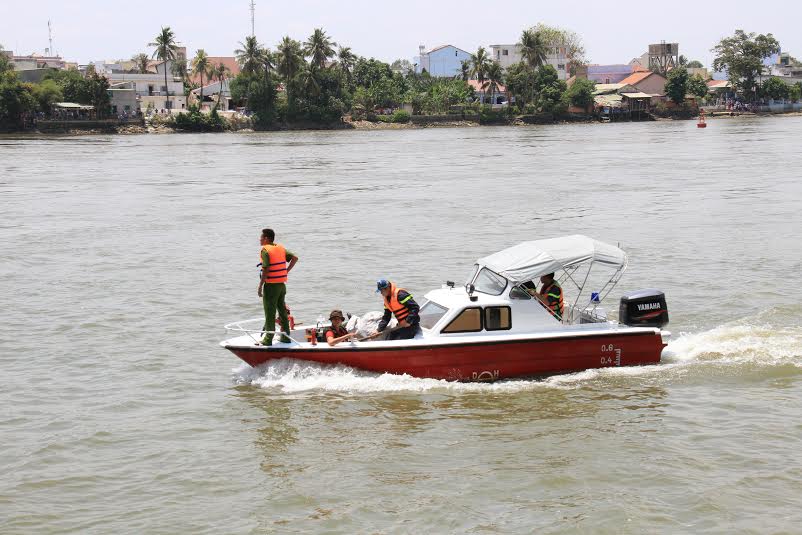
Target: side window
(469, 321)
(498, 318)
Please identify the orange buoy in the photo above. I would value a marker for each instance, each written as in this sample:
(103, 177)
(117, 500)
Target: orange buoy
(701, 123)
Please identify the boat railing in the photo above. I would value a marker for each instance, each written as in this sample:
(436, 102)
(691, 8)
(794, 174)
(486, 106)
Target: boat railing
(257, 332)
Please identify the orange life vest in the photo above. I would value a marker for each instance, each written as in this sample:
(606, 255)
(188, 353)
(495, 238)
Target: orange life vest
(276, 269)
(399, 309)
(556, 308)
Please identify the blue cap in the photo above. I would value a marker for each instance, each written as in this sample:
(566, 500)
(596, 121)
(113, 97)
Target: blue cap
(381, 284)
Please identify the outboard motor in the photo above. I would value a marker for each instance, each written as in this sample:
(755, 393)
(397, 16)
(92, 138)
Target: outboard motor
(643, 308)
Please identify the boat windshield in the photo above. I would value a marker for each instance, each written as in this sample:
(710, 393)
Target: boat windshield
(430, 313)
(489, 282)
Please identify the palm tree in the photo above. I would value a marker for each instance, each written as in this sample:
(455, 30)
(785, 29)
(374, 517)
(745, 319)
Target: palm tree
(533, 48)
(479, 64)
(141, 62)
(200, 66)
(346, 60)
(220, 73)
(166, 50)
(308, 79)
(319, 48)
(289, 60)
(249, 56)
(465, 69)
(495, 77)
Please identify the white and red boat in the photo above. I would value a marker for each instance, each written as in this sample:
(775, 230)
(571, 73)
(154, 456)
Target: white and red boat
(492, 328)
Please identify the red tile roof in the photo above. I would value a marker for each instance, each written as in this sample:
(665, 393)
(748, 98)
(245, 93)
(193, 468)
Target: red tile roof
(229, 62)
(636, 77)
(476, 87)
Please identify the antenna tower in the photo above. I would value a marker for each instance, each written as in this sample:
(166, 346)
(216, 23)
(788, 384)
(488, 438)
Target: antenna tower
(253, 26)
(50, 50)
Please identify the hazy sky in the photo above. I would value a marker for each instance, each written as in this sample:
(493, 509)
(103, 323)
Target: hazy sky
(613, 32)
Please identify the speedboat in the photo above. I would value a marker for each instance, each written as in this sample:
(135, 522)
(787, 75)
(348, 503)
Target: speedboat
(494, 328)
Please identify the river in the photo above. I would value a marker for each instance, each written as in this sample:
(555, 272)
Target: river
(123, 256)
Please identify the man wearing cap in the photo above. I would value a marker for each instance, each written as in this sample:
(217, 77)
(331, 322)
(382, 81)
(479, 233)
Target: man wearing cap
(337, 332)
(398, 302)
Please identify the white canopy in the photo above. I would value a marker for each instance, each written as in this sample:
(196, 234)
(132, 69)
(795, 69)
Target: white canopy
(531, 259)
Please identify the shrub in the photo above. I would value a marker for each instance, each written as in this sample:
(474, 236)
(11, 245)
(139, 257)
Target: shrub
(400, 116)
(194, 121)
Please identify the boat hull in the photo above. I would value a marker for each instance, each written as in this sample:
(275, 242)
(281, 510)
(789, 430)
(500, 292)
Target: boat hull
(479, 360)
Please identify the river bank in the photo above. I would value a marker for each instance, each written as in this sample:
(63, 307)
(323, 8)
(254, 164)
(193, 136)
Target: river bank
(348, 124)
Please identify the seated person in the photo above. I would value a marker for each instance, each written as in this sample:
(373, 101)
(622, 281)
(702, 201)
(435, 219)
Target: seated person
(551, 295)
(530, 287)
(337, 333)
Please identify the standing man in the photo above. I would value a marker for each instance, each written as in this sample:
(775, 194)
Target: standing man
(551, 295)
(276, 263)
(398, 302)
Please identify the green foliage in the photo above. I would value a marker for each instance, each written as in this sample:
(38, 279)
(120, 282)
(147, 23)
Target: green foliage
(581, 92)
(795, 92)
(694, 64)
(47, 93)
(5, 64)
(521, 83)
(677, 85)
(549, 90)
(320, 98)
(398, 116)
(697, 86)
(742, 56)
(258, 91)
(775, 88)
(17, 100)
(92, 89)
(193, 120)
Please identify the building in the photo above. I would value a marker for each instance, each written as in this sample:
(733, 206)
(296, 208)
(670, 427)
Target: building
(213, 94)
(508, 55)
(480, 91)
(608, 74)
(230, 63)
(647, 82)
(35, 61)
(123, 99)
(150, 89)
(443, 61)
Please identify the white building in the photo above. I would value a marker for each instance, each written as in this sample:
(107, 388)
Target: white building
(150, 89)
(508, 55)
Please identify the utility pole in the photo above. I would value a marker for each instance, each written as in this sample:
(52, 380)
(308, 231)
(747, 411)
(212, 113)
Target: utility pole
(253, 26)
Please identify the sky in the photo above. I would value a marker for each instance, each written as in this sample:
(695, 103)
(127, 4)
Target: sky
(613, 32)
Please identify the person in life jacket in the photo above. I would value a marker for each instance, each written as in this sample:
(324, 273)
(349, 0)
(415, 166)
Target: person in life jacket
(276, 263)
(551, 295)
(399, 303)
(337, 332)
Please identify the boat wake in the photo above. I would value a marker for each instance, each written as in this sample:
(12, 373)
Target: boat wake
(769, 341)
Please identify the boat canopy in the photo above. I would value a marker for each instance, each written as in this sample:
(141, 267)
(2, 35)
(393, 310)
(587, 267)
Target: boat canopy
(532, 259)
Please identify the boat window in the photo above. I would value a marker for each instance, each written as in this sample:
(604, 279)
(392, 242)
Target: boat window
(430, 313)
(489, 282)
(497, 319)
(519, 292)
(468, 321)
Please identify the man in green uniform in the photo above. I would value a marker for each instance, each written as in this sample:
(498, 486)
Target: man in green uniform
(276, 263)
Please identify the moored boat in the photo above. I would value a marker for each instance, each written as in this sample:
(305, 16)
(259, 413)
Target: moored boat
(494, 328)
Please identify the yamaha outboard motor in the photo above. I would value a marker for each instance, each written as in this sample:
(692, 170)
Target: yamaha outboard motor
(643, 308)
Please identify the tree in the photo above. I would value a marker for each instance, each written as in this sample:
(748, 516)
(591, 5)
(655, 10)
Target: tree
(17, 100)
(682, 61)
(580, 93)
(574, 47)
(795, 92)
(249, 57)
(200, 66)
(346, 60)
(520, 83)
(47, 93)
(695, 64)
(549, 89)
(141, 62)
(742, 56)
(465, 69)
(258, 90)
(495, 78)
(533, 48)
(319, 48)
(697, 86)
(289, 61)
(775, 89)
(98, 90)
(166, 50)
(479, 64)
(677, 84)
(220, 73)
